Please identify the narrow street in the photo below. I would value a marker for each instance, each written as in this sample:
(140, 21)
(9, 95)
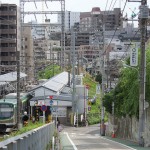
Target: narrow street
(88, 138)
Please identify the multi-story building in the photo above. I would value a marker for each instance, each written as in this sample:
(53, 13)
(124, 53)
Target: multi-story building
(10, 37)
(70, 19)
(29, 56)
(95, 18)
(44, 30)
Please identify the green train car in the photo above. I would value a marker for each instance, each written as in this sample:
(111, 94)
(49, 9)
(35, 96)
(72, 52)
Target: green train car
(8, 110)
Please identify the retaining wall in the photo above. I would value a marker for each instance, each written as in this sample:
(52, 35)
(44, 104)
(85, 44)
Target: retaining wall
(36, 139)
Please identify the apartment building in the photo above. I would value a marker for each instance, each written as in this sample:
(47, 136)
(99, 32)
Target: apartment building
(28, 59)
(10, 37)
(94, 19)
(70, 19)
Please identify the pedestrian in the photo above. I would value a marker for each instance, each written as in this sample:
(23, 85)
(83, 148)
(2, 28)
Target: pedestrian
(58, 123)
(25, 119)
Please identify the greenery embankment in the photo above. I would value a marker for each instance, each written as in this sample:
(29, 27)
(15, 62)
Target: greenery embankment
(24, 129)
(93, 115)
(49, 72)
(126, 94)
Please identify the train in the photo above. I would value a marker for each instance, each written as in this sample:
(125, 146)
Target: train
(8, 110)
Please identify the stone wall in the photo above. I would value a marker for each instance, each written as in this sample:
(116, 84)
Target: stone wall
(128, 128)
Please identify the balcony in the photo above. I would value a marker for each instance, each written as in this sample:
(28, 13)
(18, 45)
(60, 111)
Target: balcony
(8, 49)
(8, 13)
(10, 31)
(8, 58)
(8, 40)
(7, 22)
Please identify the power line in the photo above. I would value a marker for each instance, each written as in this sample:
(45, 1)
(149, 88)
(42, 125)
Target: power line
(106, 5)
(114, 4)
(114, 31)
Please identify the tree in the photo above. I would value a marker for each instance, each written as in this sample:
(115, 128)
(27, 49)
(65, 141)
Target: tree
(98, 78)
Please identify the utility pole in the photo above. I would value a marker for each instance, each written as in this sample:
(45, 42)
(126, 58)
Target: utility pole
(18, 90)
(143, 25)
(102, 129)
(73, 68)
(143, 16)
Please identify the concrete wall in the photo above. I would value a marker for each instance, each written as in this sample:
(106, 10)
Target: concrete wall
(128, 128)
(36, 139)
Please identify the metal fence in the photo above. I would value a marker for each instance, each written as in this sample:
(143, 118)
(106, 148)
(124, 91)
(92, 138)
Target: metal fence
(36, 139)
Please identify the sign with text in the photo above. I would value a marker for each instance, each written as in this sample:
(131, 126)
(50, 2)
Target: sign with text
(134, 55)
(98, 88)
(60, 111)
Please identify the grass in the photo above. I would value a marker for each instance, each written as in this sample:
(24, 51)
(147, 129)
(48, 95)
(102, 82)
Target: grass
(93, 115)
(27, 128)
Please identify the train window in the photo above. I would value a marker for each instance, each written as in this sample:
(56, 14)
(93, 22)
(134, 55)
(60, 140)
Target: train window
(4, 115)
(6, 111)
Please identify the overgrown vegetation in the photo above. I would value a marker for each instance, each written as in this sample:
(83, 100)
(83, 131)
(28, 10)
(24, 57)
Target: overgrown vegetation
(27, 128)
(126, 94)
(49, 72)
(94, 114)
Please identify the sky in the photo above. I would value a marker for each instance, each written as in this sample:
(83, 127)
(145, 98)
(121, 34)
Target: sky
(78, 6)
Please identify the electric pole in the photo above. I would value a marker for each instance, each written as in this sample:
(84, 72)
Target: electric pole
(143, 16)
(143, 25)
(73, 69)
(18, 90)
(102, 129)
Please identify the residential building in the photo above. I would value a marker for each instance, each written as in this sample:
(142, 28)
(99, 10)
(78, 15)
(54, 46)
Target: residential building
(10, 37)
(29, 55)
(90, 21)
(70, 19)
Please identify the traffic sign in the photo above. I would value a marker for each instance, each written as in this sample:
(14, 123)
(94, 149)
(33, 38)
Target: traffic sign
(51, 102)
(51, 96)
(89, 102)
(43, 107)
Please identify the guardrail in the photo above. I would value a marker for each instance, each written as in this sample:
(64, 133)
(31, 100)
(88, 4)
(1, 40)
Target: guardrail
(36, 139)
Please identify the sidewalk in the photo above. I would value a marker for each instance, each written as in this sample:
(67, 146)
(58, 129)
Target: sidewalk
(128, 143)
(65, 144)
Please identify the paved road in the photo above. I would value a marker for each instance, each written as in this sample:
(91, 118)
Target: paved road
(88, 138)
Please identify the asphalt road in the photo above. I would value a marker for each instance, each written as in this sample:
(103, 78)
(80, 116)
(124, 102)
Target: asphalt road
(88, 138)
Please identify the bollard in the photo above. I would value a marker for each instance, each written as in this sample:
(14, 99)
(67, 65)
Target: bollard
(53, 143)
(113, 134)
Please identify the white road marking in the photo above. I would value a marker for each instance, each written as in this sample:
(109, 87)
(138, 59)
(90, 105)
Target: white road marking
(72, 133)
(118, 143)
(75, 148)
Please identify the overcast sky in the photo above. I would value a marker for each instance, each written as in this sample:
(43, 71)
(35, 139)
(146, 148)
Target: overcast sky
(79, 6)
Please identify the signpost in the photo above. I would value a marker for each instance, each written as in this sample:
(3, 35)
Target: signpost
(43, 107)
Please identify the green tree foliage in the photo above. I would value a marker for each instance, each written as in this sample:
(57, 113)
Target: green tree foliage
(126, 94)
(98, 78)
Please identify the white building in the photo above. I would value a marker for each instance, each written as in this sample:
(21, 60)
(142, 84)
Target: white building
(70, 19)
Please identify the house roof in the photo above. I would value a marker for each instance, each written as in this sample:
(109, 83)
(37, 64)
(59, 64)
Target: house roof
(56, 83)
(10, 77)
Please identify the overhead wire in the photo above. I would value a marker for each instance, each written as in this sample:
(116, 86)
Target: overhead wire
(106, 5)
(115, 30)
